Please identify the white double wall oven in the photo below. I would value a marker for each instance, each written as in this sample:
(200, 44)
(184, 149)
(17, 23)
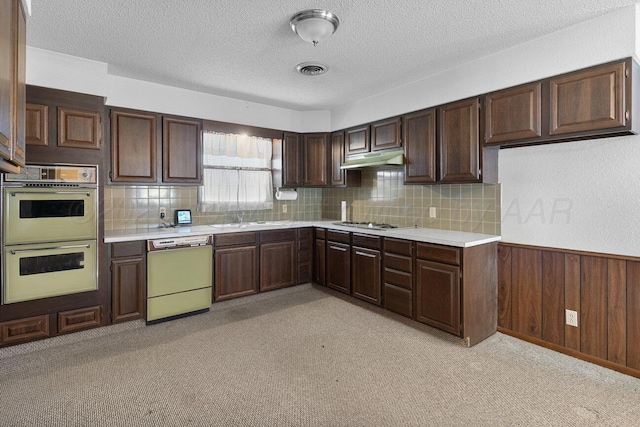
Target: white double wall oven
(49, 232)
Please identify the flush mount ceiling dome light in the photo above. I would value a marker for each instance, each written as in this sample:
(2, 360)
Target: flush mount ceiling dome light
(314, 25)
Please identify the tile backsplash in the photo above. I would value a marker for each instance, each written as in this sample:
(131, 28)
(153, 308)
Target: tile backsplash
(138, 206)
(382, 197)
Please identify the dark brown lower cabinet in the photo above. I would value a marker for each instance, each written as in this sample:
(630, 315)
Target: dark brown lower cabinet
(278, 259)
(438, 295)
(22, 330)
(128, 281)
(303, 254)
(79, 319)
(338, 274)
(398, 276)
(319, 256)
(235, 267)
(366, 265)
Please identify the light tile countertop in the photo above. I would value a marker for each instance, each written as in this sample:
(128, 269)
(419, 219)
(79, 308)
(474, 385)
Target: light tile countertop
(429, 235)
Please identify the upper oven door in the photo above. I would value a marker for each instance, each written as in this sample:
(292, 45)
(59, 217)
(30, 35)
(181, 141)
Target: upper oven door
(33, 215)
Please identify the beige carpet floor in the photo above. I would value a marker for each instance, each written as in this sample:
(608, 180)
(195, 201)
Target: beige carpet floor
(302, 357)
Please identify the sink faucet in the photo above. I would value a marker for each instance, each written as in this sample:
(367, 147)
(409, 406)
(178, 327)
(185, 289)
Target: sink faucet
(239, 217)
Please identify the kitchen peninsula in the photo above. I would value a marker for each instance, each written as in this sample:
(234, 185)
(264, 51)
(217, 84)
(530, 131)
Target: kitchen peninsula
(443, 278)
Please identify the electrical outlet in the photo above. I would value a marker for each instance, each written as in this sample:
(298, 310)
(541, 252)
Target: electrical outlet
(572, 317)
(163, 213)
(284, 208)
(432, 212)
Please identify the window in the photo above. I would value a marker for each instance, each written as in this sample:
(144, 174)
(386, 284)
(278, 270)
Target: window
(237, 173)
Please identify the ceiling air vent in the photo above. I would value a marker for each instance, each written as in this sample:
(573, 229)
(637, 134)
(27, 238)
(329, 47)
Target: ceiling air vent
(312, 68)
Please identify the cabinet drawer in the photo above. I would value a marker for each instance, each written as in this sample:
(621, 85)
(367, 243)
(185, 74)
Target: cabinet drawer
(288, 235)
(321, 233)
(446, 254)
(127, 249)
(76, 320)
(398, 278)
(366, 241)
(235, 239)
(398, 300)
(398, 262)
(304, 233)
(396, 246)
(27, 329)
(304, 256)
(304, 245)
(338, 236)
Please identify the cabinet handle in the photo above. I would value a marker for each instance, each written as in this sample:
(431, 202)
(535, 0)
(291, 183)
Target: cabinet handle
(365, 254)
(338, 248)
(13, 193)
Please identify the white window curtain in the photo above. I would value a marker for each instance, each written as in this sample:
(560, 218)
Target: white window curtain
(237, 173)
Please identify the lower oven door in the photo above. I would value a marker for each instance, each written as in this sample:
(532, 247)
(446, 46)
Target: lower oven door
(48, 269)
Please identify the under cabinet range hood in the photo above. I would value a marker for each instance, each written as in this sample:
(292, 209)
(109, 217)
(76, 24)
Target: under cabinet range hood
(369, 160)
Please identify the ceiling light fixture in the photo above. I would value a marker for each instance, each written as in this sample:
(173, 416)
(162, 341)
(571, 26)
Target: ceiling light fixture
(314, 25)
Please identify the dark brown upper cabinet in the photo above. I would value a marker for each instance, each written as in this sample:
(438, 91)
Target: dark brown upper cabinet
(513, 114)
(133, 146)
(357, 140)
(385, 134)
(314, 164)
(181, 150)
(13, 39)
(419, 131)
(37, 125)
(459, 141)
(588, 100)
(292, 160)
(595, 102)
(340, 177)
(79, 128)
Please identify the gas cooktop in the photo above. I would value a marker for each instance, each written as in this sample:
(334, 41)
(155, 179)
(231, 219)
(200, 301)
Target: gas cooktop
(367, 224)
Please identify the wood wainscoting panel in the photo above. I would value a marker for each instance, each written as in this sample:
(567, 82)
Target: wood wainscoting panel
(572, 298)
(593, 306)
(553, 318)
(504, 287)
(526, 297)
(536, 285)
(633, 315)
(617, 311)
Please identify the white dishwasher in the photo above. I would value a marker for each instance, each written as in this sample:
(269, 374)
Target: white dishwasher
(179, 277)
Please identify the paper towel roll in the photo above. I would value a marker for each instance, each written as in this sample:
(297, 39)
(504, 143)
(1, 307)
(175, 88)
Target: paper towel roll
(286, 195)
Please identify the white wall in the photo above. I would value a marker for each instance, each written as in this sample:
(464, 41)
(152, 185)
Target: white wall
(59, 71)
(603, 39)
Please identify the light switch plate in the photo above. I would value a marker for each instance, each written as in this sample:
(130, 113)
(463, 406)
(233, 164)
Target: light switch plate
(432, 212)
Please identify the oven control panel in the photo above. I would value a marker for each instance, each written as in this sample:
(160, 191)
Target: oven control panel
(58, 174)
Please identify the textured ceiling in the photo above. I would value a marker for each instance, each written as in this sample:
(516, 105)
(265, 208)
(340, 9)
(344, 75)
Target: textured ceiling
(246, 49)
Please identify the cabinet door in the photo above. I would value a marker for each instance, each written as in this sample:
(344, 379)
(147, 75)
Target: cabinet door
(277, 265)
(513, 114)
(133, 146)
(128, 282)
(236, 273)
(357, 140)
(315, 160)
(37, 125)
(438, 295)
(20, 85)
(365, 280)
(181, 150)
(319, 262)
(419, 130)
(459, 141)
(6, 73)
(339, 267)
(79, 128)
(292, 160)
(588, 100)
(337, 159)
(385, 134)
